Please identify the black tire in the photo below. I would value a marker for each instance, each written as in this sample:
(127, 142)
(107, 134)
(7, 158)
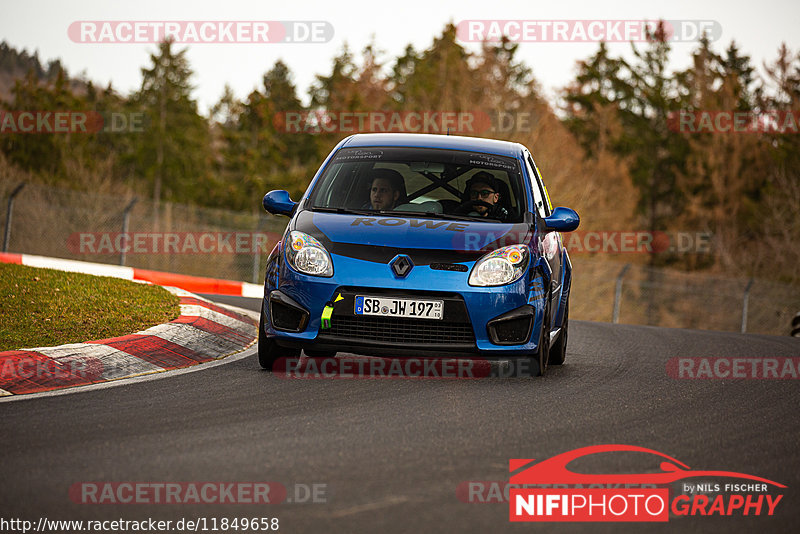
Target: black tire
(558, 352)
(311, 353)
(268, 350)
(537, 364)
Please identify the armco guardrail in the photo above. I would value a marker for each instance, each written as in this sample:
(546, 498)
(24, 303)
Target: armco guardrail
(607, 291)
(216, 243)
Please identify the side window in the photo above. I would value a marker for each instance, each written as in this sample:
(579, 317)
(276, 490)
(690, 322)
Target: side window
(539, 198)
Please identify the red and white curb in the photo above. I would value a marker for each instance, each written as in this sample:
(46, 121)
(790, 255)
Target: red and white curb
(204, 332)
(196, 284)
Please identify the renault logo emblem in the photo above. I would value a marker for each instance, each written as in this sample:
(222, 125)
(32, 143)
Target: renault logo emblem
(401, 265)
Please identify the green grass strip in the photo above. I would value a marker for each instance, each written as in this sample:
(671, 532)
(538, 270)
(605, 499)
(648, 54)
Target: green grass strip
(43, 307)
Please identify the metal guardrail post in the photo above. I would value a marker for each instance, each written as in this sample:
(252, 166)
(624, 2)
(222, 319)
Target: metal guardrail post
(256, 265)
(126, 215)
(618, 293)
(745, 304)
(7, 236)
(257, 253)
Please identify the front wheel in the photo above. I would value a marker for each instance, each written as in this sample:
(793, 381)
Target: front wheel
(537, 364)
(269, 351)
(558, 352)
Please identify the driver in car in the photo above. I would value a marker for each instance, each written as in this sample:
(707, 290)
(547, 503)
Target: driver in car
(385, 189)
(484, 198)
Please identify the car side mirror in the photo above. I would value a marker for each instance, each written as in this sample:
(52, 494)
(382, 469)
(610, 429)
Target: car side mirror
(278, 202)
(562, 220)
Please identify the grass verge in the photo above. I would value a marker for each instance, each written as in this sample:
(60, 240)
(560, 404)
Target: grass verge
(43, 307)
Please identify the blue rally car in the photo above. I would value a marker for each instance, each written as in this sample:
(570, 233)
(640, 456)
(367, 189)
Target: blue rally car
(420, 245)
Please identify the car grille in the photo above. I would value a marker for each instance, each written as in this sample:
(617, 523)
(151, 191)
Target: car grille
(401, 330)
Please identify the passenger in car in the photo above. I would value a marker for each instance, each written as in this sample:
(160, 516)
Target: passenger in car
(482, 186)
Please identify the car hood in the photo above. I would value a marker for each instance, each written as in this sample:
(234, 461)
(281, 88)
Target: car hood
(426, 240)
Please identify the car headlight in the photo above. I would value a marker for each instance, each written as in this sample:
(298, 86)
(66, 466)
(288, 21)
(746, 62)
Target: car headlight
(503, 266)
(307, 255)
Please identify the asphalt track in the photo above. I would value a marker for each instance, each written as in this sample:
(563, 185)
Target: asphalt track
(391, 453)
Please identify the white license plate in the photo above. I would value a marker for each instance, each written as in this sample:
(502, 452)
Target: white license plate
(391, 307)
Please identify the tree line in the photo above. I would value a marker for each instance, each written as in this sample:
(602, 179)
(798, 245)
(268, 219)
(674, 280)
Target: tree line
(609, 147)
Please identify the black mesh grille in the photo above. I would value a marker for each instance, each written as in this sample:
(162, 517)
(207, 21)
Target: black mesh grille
(512, 331)
(400, 330)
(284, 317)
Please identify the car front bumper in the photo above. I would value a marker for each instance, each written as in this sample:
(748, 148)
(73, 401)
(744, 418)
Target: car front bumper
(485, 321)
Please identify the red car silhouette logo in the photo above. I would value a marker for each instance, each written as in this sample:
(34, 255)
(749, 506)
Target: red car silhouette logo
(554, 470)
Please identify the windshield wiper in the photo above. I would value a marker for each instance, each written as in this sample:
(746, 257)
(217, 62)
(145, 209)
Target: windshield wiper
(435, 215)
(343, 210)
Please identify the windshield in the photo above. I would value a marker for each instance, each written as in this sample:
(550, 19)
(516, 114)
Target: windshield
(434, 182)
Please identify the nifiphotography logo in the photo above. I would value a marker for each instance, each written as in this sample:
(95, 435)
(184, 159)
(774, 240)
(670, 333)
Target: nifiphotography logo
(549, 491)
